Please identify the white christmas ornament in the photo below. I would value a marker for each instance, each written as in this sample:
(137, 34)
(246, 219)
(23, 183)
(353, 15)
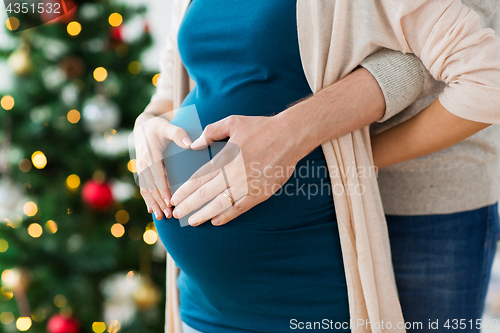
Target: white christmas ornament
(12, 200)
(100, 114)
(111, 144)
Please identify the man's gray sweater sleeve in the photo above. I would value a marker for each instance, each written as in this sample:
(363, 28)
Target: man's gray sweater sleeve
(402, 78)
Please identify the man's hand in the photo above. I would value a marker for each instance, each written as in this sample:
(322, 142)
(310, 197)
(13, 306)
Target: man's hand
(246, 170)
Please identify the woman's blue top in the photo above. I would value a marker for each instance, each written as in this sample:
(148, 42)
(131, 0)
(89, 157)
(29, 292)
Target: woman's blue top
(278, 266)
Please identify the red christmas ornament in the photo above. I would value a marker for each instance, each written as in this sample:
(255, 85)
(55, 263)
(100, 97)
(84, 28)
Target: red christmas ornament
(116, 33)
(62, 11)
(61, 324)
(97, 195)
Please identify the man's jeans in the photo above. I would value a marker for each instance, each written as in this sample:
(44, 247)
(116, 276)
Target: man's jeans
(442, 265)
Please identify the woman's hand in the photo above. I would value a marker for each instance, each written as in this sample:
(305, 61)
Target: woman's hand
(152, 134)
(259, 158)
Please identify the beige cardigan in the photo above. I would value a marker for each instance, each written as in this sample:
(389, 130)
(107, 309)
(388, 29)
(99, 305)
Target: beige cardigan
(334, 37)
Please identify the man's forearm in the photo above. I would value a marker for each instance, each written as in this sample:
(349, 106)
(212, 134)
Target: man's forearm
(431, 130)
(347, 105)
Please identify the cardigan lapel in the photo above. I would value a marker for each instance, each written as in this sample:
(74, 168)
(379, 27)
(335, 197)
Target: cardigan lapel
(362, 227)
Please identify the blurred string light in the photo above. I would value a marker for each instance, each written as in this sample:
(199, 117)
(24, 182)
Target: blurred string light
(39, 315)
(11, 278)
(109, 135)
(98, 327)
(60, 301)
(4, 245)
(25, 165)
(35, 230)
(23, 323)
(51, 226)
(117, 230)
(115, 19)
(7, 102)
(12, 23)
(132, 166)
(72, 182)
(74, 28)
(14, 221)
(30, 208)
(150, 237)
(135, 67)
(6, 294)
(155, 79)
(100, 74)
(122, 216)
(73, 116)
(39, 160)
(6, 318)
(133, 278)
(114, 326)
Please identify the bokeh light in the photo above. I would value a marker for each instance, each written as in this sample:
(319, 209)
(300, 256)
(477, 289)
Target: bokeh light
(115, 19)
(25, 165)
(12, 23)
(39, 315)
(150, 237)
(60, 301)
(74, 28)
(11, 278)
(72, 182)
(117, 230)
(114, 326)
(4, 245)
(133, 278)
(100, 74)
(73, 116)
(39, 160)
(6, 294)
(98, 327)
(7, 102)
(135, 67)
(51, 226)
(122, 216)
(155, 79)
(132, 165)
(6, 318)
(23, 323)
(35, 230)
(30, 208)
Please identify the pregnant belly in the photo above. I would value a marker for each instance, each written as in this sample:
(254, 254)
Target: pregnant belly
(272, 255)
(269, 261)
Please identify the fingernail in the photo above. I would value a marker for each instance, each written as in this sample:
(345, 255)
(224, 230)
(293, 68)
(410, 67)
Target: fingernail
(166, 213)
(157, 215)
(193, 220)
(216, 221)
(187, 141)
(175, 200)
(177, 213)
(197, 143)
(167, 202)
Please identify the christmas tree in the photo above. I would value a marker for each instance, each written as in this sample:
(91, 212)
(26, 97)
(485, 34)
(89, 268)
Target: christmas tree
(78, 251)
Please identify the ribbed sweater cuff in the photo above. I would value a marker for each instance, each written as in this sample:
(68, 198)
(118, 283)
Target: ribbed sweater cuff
(399, 76)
